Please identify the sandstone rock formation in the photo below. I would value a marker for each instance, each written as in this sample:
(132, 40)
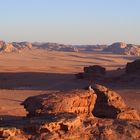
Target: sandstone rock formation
(95, 70)
(122, 48)
(68, 115)
(92, 72)
(74, 128)
(80, 102)
(109, 104)
(14, 47)
(57, 47)
(7, 47)
(133, 67)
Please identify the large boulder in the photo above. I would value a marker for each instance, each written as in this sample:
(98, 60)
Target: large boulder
(133, 67)
(110, 104)
(80, 102)
(95, 70)
(92, 72)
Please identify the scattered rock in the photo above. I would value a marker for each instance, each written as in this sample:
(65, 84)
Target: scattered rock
(92, 72)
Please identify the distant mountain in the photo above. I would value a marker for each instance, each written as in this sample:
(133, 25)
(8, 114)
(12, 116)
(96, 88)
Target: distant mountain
(14, 46)
(56, 47)
(115, 48)
(123, 48)
(90, 48)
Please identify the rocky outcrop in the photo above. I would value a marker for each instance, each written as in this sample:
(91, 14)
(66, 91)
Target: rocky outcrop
(2, 43)
(68, 115)
(109, 104)
(92, 72)
(7, 47)
(80, 102)
(14, 47)
(122, 48)
(57, 47)
(133, 67)
(22, 45)
(95, 70)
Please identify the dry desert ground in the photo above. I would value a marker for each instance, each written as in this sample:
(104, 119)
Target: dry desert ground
(40, 71)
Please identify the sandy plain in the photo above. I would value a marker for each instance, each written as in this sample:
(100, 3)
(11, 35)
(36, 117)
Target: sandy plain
(39, 71)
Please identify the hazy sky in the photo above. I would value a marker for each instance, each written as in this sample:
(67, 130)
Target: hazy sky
(70, 21)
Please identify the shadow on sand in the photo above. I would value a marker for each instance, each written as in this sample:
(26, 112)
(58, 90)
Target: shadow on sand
(54, 81)
(39, 81)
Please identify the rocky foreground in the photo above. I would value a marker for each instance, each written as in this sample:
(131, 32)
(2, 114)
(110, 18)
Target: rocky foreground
(95, 113)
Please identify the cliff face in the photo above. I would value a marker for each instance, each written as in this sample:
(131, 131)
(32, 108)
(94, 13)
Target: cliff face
(68, 115)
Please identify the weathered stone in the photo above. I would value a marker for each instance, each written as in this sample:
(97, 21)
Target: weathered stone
(80, 102)
(12, 134)
(129, 114)
(133, 67)
(95, 70)
(67, 115)
(108, 103)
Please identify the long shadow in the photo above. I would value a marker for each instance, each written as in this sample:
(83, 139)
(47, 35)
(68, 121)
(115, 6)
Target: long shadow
(55, 81)
(7, 99)
(39, 81)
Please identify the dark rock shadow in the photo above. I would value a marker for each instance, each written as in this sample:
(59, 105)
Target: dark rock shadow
(39, 81)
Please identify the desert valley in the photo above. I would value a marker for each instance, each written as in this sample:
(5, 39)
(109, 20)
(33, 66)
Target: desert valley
(43, 70)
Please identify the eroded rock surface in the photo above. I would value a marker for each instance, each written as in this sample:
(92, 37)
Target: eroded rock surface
(133, 67)
(68, 116)
(92, 72)
(110, 104)
(80, 102)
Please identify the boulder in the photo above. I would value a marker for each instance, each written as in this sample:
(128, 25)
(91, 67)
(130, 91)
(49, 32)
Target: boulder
(80, 102)
(95, 70)
(110, 104)
(133, 67)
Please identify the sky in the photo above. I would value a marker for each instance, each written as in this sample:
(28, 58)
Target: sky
(70, 21)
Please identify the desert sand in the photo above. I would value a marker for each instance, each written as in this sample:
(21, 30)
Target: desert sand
(39, 71)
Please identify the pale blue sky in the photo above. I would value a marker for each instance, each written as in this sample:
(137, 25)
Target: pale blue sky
(70, 21)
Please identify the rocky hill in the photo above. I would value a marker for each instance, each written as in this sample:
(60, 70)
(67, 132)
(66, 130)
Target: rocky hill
(56, 47)
(115, 48)
(123, 48)
(14, 46)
